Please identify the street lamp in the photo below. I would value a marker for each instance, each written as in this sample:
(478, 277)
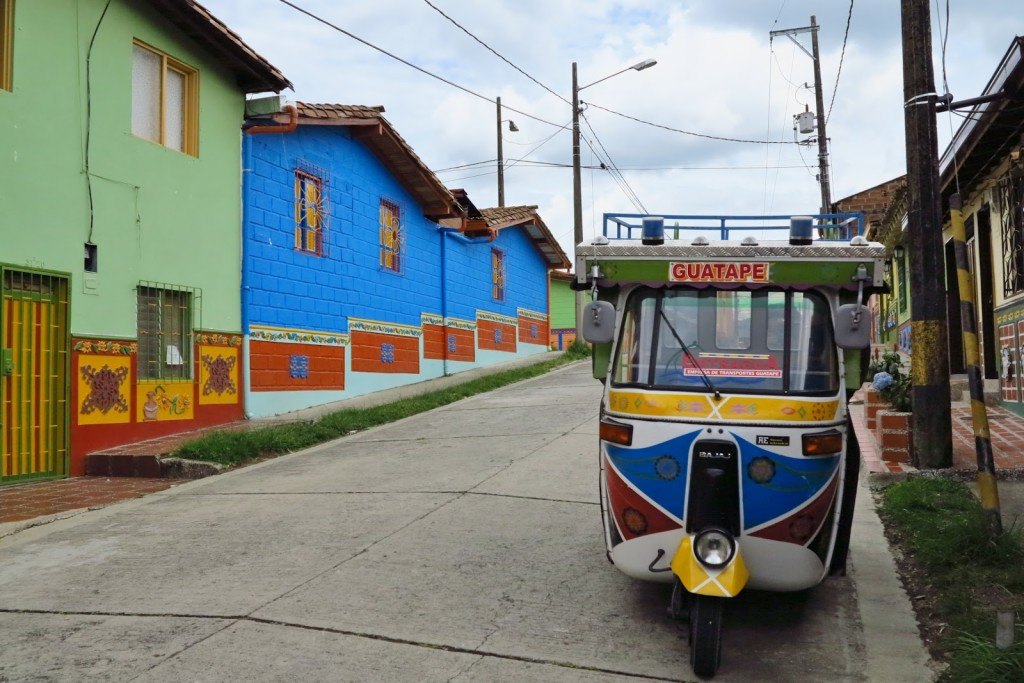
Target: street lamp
(513, 128)
(577, 194)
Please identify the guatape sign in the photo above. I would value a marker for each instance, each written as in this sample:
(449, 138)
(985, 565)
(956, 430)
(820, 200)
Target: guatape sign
(690, 271)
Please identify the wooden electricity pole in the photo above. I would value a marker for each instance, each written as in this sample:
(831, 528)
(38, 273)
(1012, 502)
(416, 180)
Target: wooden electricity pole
(929, 370)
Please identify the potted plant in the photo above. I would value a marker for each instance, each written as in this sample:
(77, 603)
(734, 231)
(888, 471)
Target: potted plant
(892, 426)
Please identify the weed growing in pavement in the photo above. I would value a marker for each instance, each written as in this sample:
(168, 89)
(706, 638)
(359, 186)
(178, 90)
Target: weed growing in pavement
(234, 448)
(578, 350)
(967, 573)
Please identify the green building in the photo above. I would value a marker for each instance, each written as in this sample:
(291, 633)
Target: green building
(563, 310)
(120, 232)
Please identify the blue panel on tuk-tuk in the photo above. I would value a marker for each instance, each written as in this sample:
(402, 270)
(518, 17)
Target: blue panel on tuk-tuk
(792, 482)
(658, 471)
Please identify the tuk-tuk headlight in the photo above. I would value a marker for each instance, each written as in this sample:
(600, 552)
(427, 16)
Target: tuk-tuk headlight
(714, 548)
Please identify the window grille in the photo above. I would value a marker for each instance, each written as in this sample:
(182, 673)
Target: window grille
(498, 275)
(391, 237)
(6, 44)
(167, 317)
(1009, 194)
(312, 211)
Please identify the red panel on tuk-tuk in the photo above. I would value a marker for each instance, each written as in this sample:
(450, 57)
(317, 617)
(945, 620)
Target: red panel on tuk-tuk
(802, 525)
(633, 513)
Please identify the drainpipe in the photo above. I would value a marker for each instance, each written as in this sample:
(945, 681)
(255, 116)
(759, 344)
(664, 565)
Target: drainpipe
(246, 292)
(293, 123)
(443, 232)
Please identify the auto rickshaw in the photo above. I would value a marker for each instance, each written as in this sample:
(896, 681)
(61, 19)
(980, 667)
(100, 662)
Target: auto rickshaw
(727, 460)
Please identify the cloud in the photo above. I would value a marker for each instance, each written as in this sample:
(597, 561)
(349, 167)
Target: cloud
(716, 74)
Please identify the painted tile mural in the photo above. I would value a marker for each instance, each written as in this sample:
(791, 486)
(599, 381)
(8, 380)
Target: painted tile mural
(218, 375)
(165, 401)
(104, 389)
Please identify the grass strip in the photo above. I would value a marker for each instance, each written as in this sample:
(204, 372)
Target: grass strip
(236, 448)
(968, 574)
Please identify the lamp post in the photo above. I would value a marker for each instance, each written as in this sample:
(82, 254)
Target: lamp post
(577, 194)
(513, 128)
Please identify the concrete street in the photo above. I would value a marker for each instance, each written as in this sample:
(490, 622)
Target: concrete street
(463, 544)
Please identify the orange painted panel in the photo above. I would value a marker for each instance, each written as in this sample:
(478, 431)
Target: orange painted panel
(278, 366)
(533, 331)
(460, 344)
(390, 353)
(495, 336)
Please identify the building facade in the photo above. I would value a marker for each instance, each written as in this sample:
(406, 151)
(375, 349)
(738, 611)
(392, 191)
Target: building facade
(362, 272)
(563, 310)
(985, 163)
(119, 238)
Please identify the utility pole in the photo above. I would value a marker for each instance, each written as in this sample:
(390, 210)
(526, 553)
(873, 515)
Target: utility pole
(577, 192)
(929, 370)
(501, 161)
(819, 102)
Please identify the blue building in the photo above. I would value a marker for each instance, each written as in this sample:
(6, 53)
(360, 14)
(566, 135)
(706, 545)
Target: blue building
(362, 271)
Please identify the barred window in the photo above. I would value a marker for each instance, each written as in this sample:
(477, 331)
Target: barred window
(165, 325)
(390, 236)
(497, 275)
(6, 44)
(1009, 196)
(310, 212)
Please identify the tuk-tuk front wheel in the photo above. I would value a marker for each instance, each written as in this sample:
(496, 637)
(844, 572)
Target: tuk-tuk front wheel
(705, 634)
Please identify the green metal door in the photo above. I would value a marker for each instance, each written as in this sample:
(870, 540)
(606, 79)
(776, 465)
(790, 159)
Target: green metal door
(34, 356)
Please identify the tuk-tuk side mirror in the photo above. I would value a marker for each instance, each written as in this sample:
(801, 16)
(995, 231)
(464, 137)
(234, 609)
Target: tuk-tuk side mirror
(598, 324)
(853, 326)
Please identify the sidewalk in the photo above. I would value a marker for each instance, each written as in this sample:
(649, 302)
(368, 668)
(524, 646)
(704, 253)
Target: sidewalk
(20, 503)
(1006, 429)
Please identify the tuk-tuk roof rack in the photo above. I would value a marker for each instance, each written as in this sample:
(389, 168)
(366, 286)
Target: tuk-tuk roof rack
(830, 227)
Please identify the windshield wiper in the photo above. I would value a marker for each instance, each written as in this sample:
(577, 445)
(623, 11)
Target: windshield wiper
(707, 380)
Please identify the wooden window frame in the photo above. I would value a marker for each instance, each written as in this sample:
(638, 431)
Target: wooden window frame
(7, 45)
(398, 251)
(190, 136)
(303, 230)
(499, 274)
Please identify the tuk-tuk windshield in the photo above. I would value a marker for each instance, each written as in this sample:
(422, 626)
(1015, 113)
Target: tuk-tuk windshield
(765, 341)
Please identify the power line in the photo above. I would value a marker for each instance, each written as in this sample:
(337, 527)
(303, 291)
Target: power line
(622, 188)
(463, 166)
(407, 62)
(686, 132)
(495, 52)
(611, 162)
(842, 54)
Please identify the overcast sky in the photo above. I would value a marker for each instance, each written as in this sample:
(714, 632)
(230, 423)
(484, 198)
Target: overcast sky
(717, 73)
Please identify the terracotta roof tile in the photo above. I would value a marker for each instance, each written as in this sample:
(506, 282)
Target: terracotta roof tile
(504, 214)
(526, 217)
(390, 147)
(338, 111)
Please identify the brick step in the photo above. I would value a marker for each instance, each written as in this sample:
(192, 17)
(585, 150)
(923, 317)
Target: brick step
(122, 465)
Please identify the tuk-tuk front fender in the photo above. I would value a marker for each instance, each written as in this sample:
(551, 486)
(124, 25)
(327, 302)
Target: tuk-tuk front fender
(725, 582)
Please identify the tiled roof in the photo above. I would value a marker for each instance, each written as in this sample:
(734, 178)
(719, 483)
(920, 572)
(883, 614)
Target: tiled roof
(527, 218)
(502, 215)
(338, 111)
(252, 72)
(376, 132)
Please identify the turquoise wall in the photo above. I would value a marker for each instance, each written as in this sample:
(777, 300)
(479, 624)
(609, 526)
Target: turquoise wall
(160, 215)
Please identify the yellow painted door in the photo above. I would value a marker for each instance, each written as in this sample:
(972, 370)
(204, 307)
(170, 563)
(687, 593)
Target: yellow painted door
(33, 376)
